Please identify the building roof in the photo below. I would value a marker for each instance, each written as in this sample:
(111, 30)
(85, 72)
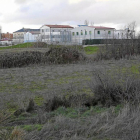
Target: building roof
(27, 30)
(34, 32)
(59, 26)
(100, 27)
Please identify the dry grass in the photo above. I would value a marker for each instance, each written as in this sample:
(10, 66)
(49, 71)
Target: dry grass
(61, 100)
(63, 55)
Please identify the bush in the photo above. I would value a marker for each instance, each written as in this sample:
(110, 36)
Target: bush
(55, 103)
(111, 91)
(92, 41)
(71, 101)
(63, 55)
(40, 45)
(20, 59)
(118, 49)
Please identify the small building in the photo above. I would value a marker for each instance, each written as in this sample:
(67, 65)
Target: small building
(56, 33)
(91, 32)
(5, 42)
(18, 36)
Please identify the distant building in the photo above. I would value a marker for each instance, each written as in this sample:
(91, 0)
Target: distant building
(91, 32)
(56, 33)
(5, 42)
(32, 37)
(18, 36)
(7, 35)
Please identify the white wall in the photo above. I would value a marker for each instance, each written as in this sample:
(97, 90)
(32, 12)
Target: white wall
(104, 33)
(78, 38)
(54, 34)
(18, 37)
(120, 34)
(6, 42)
(29, 37)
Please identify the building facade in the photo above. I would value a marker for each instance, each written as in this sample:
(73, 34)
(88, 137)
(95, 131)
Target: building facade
(7, 35)
(91, 32)
(56, 33)
(124, 34)
(32, 37)
(18, 36)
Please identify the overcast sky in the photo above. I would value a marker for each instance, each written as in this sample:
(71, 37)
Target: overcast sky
(16, 14)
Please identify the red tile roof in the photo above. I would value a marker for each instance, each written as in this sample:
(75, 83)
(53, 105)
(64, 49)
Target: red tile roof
(59, 26)
(100, 27)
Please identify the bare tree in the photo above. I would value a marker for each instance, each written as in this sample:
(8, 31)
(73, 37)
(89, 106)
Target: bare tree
(130, 30)
(86, 22)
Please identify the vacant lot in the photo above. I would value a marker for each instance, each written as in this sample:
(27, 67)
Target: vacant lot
(52, 101)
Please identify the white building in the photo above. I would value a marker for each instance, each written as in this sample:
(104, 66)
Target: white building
(124, 34)
(5, 42)
(91, 32)
(18, 36)
(32, 37)
(56, 33)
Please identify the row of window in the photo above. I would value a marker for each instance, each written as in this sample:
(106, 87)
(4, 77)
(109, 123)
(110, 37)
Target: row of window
(77, 33)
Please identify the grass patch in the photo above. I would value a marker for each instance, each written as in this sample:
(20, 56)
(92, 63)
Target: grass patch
(39, 100)
(134, 69)
(12, 107)
(24, 45)
(30, 128)
(91, 49)
(81, 112)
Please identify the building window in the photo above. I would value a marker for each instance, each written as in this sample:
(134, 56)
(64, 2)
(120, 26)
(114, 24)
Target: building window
(109, 32)
(42, 30)
(73, 33)
(77, 33)
(81, 32)
(98, 32)
(85, 32)
(90, 32)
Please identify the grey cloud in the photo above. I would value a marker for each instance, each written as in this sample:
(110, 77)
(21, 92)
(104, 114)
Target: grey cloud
(43, 12)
